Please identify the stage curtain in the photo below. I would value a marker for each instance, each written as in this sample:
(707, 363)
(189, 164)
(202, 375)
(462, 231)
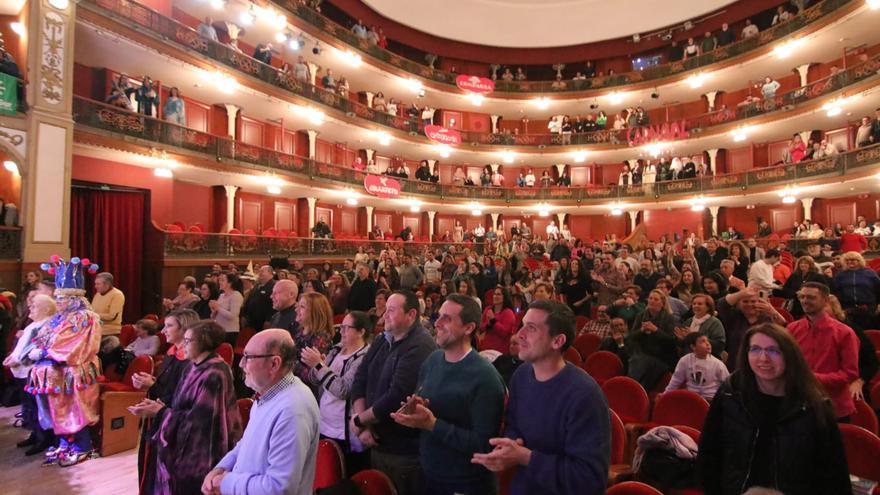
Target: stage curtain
(108, 227)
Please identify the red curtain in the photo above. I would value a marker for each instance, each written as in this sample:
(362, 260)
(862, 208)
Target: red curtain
(108, 227)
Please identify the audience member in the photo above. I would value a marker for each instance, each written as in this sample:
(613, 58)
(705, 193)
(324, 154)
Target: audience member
(699, 371)
(108, 302)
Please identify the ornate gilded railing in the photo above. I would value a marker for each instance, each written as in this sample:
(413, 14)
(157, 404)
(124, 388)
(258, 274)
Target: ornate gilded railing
(120, 122)
(173, 31)
(769, 35)
(10, 243)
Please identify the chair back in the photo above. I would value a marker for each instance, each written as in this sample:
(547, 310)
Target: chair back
(225, 351)
(126, 335)
(628, 399)
(633, 488)
(329, 465)
(862, 451)
(374, 482)
(587, 343)
(573, 356)
(618, 438)
(680, 407)
(874, 336)
(140, 364)
(603, 365)
(244, 410)
(691, 432)
(865, 417)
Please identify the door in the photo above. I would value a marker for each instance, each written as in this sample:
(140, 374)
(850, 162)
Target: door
(349, 223)
(325, 214)
(783, 220)
(445, 225)
(251, 213)
(383, 220)
(284, 215)
(843, 214)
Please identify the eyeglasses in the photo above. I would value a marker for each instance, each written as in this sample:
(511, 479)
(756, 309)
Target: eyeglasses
(770, 352)
(247, 357)
(188, 340)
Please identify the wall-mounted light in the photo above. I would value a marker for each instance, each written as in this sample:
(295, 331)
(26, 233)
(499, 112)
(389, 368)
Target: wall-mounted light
(696, 80)
(615, 98)
(11, 166)
(476, 99)
(508, 156)
(413, 85)
(59, 4)
(785, 50)
(248, 16)
(740, 134)
(444, 150)
(17, 27)
(542, 103)
(351, 201)
(616, 209)
(698, 203)
(352, 58)
(579, 156)
(163, 172)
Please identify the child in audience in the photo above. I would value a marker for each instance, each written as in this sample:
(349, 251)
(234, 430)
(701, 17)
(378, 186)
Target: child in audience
(147, 342)
(699, 371)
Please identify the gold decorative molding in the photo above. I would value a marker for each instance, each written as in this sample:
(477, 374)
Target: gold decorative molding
(52, 58)
(14, 140)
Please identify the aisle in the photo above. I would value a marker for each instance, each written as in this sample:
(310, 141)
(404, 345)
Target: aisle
(20, 475)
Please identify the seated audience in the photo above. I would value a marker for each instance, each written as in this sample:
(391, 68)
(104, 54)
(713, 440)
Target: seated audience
(147, 342)
(699, 371)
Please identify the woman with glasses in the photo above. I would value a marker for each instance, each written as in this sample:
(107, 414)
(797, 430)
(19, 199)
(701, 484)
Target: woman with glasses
(333, 376)
(201, 423)
(771, 425)
(161, 387)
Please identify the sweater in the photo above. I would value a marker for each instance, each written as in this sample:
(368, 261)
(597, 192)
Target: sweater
(109, 307)
(278, 452)
(857, 287)
(467, 398)
(566, 424)
(702, 376)
(230, 307)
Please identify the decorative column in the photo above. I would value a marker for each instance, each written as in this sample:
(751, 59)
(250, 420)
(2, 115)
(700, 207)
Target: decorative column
(370, 154)
(494, 119)
(231, 114)
(313, 143)
(805, 136)
(313, 72)
(633, 214)
(713, 210)
(230, 206)
(370, 97)
(803, 71)
(431, 215)
(431, 165)
(312, 202)
(369, 219)
(560, 217)
(495, 220)
(494, 167)
(807, 203)
(42, 142)
(713, 156)
(710, 98)
(560, 167)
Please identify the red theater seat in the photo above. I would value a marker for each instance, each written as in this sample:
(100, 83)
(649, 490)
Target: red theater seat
(633, 488)
(225, 351)
(680, 407)
(628, 399)
(865, 417)
(862, 451)
(573, 356)
(330, 464)
(126, 335)
(603, 365)
(373, 482)
(244, 409)
(587, 343)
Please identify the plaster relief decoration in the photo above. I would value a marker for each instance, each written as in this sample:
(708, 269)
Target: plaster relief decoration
(15, 139)
(52, 57)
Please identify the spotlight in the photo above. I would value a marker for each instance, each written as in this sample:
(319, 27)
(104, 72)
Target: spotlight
(316, 50)
(421, 93)
(637, 38)
(593, 106)
(655, 95)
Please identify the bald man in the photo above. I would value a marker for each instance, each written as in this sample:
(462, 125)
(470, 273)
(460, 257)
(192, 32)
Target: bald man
(278, 450)
(284, 295)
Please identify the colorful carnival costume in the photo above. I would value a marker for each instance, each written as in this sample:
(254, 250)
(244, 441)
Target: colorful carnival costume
(64, 378)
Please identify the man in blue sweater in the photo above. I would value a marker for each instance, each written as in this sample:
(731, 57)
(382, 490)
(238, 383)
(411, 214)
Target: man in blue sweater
(276, 455)
(557, 432)
(459, 405)
(386, 377)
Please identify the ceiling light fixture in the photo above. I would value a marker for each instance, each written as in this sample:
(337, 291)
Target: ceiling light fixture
(786, 49)
(352, 58)
(542, 103)
(476, 99)
(616, 209)
(11, 166)
(508, 156)
(656, 148)
(476, 209)
(351, 201)
(615, 98)
(873, 4)
(17, 27)
(443, 150)
(218, 4)
(415, 205)
(740, 134)
(698, 203)
(579, 156)
(544, 210)
(313, 115)
(413, 85)
(248, 16)
(697, 80)
(833, 108)
(163, 172)
(789, 194)
(383, 137)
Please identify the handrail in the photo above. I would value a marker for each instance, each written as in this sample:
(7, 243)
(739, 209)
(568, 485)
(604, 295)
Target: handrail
(187, 37)
(98, 115)
(179, 244)
(179, 33)
(773, 33)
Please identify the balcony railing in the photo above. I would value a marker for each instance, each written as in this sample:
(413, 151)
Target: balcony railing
(186, 37)
(769, 35)
(197, 245)
(98, 115)
(189, 38)
(10, 243)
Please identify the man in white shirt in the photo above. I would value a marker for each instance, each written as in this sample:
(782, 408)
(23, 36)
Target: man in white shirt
(750, 30)
(552, 230)
(624, 257)
(432, 271)
(206, 29)
(530, 179)
(761, 272)
(699, 371)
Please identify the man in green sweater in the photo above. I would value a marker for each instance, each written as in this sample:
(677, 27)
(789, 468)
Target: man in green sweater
(458, 406)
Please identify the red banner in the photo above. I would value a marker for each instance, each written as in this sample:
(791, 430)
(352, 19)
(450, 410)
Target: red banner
(381, 186)
(443, 135)
(475, 84)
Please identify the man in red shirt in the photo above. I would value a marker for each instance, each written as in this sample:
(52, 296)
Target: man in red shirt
(830, 348)
(852, 241)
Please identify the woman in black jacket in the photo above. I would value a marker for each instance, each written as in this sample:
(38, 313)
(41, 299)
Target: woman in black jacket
(652, 342)
(805, 270)
(770, 425)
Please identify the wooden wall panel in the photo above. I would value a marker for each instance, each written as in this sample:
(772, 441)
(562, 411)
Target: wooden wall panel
(348, 223)
(284, 216)
(783, 219)
(842, 213)
(383, 220)
(250, 131)
(198, 115)
(251, 214)
(327, 215)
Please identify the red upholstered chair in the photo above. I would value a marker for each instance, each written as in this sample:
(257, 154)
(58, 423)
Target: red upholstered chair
(691, 432)
(152, 316)
(118, 428)
(243, 337)
(862, 451)
(620, 468)
(633, 488)
(330, 464)
(374, 482)
(785, 314)
(680, 407)
(587, 343)
(573, 356)
(126, 335)
(628, 399)
(874, 336)
(776, 302)
(244, 409)
(579, 322)
(337, 319)
(875, 393)
(865, 417)
(603, 365)
(225, 351)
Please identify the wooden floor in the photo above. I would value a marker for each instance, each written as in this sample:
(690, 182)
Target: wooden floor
(20, 475)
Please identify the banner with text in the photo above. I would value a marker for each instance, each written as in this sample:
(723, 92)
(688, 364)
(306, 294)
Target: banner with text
(381, 186)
